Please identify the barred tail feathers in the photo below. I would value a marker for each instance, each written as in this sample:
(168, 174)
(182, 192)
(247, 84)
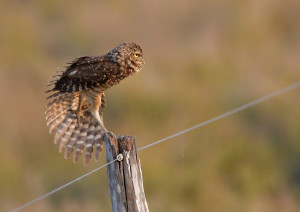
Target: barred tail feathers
(81, 141)
(89, 146)
(98, 141)
(88, 136)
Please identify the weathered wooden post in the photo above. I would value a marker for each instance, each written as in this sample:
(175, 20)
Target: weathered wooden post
(125, 176)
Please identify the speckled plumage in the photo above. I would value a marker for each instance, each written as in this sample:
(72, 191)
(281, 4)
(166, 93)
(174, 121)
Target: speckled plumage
(78, 99)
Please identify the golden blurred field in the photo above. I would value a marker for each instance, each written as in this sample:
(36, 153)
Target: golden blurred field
(203, 58)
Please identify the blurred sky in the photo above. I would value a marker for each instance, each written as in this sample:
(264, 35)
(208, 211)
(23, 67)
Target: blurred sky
(203, 58)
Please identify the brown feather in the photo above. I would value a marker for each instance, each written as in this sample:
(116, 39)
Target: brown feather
(80, 144)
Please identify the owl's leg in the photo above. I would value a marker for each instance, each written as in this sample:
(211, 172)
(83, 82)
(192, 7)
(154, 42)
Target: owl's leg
(95, 111)
(94, 98)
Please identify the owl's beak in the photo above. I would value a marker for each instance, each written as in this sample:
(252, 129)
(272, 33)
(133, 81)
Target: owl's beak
(143, 61)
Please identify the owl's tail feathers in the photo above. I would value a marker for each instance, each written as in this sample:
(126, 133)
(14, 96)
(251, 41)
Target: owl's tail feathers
(81, 140)
(89, 146)
(71, 137)
(94, 138)
(98, 141)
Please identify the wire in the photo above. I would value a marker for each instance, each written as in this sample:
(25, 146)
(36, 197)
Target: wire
(61, 187)
(243, 107)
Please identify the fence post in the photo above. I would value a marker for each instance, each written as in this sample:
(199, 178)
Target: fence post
(125, 176)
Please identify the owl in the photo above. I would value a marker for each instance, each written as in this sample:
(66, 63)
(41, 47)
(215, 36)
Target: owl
(77, 101)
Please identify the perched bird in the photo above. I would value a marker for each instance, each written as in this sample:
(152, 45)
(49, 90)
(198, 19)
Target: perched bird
(78, 101)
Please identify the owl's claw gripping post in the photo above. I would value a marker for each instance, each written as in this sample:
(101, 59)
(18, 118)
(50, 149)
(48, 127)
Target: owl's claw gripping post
(109, 133)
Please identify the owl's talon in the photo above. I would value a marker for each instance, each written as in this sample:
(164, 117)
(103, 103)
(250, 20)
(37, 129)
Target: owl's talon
(109, 133)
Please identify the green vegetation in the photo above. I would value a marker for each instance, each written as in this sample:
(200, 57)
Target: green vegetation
(203, 58)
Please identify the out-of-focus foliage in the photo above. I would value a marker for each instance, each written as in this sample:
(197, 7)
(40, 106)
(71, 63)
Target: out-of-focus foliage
(203, 58)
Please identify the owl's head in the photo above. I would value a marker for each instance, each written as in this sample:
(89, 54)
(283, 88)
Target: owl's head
(129, 55)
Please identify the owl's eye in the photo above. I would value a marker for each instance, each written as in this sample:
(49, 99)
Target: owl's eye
(136, 55)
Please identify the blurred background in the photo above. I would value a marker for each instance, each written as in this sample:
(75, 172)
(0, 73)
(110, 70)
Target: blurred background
(203, 58)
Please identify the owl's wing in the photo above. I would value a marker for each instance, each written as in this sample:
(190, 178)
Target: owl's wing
(68, 134)
(84, 73)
